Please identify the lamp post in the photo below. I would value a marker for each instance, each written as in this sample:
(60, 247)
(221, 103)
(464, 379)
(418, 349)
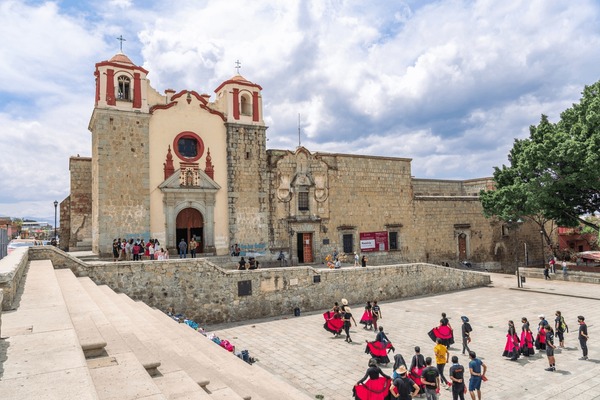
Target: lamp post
(543, 253)
(55, 208)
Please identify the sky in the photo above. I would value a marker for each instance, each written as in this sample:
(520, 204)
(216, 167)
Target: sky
(450, 84)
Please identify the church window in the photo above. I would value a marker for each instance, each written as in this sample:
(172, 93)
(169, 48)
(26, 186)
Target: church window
(245, 105)
(393, 240)
(188, 146)
(347, 242)
(123, 88)
(303, 201)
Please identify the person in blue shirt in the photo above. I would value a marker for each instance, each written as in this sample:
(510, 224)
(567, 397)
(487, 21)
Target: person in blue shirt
(477, 369)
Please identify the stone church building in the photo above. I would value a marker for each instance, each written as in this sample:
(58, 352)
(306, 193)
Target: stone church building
(186, 164)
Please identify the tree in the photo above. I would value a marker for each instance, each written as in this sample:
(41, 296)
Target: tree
(553, 174)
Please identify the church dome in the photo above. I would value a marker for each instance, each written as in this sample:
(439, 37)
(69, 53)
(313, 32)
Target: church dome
(121, 59)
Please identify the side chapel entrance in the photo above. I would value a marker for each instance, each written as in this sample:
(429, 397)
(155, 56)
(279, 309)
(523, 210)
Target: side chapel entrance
(190, 224)
(462, 247)
(304, 244)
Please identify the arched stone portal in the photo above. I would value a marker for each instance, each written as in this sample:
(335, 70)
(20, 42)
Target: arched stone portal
(190, 224)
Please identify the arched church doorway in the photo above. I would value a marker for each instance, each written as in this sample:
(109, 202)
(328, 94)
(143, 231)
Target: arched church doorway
(189, 224)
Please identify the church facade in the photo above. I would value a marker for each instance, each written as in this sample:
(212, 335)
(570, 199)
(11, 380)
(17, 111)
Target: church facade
(179, 165)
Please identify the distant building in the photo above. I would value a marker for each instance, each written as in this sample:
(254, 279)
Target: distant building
(179, 165)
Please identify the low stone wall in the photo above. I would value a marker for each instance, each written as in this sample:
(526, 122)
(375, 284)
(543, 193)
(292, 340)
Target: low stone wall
(12, 268)
(1, 297)
(210, 294)
(574, 276)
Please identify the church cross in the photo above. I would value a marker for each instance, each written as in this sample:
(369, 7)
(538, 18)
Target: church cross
(238, 65)
(120, 38)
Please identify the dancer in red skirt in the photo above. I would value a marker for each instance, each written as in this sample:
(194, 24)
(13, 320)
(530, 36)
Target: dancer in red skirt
(380, 347)
(443, 332)
(367, 317)
(526, 339)
(376, 387)
(511, 349)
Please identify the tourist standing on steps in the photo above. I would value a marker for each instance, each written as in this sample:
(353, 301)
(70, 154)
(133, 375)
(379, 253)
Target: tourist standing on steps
(477, 375)
(363, 261)
(116, 249)
(182, 248)
(583, 336)
(347, 324)
(457, 372)
(193, 246)
(550, 348)
(560, 327)
(466, 334)
(355, 260)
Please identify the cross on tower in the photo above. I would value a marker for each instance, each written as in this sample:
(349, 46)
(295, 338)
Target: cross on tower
(120, 38)
(238, 65)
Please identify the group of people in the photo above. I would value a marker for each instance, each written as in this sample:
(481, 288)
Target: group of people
(544, 340)
(252, 263)
(421, 377)
(551, 268)
(136, 250)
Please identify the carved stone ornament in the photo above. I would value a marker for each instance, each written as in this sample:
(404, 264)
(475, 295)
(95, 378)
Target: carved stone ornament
(321, 192)
(189, 175)
(283, 191)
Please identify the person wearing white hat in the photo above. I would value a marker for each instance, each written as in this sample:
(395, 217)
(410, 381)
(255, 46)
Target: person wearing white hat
(403, 387)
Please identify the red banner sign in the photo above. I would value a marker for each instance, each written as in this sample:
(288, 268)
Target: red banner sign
(373, 241)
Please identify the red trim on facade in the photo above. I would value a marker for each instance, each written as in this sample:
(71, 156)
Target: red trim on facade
(236, 103)
(210, 110)
(162, 106)
(137, 90)
(255, 116)
(209, 168)
(241, 83)
(119, 65)
(168, 167)
(110, 87)
(192, 93)
(190, 135)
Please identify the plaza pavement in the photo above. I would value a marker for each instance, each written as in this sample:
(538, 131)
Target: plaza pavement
(300, 351)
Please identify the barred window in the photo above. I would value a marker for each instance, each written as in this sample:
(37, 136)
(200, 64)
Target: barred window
(393, 240)
(303, 201)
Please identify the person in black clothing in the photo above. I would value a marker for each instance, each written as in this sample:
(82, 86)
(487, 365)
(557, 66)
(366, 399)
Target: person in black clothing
(457, 377)
(242, 263)
(431, 379)
(347, 324)
(381, 336)
(583, 336)
(418, 361)
(405, 387)
(373, 372)
(466, 334)
(560, 327)
(376, 312)
(550, 348)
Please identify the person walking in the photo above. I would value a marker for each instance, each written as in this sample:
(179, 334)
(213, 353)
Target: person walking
(347, 324)
(466, 334)
(550, 349)
(456, 374)
(583, 336)
(182, 248)
(441, 359)
(431, 380)
(375, 314)
(477, 369)
(560, 326)
(546, 272)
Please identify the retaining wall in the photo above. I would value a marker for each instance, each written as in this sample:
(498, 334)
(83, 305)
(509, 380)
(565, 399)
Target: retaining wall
(210, 294)
(12, 268)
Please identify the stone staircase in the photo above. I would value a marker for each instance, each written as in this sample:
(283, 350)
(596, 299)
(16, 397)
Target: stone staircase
(72, 339)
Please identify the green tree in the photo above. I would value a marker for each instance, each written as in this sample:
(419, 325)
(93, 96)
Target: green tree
(553, 174)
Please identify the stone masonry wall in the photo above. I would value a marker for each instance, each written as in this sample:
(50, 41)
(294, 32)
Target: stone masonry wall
(120, 195)
(247, 184)
(210, 294)
(12, 268)
(80, 205)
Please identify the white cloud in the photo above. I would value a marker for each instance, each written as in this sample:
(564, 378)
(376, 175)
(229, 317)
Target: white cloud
(447, 83)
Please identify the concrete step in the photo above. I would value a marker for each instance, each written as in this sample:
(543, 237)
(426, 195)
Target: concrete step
(81, 307)
(43, 358)
(250, 379)
(125, 338)
(172, 381)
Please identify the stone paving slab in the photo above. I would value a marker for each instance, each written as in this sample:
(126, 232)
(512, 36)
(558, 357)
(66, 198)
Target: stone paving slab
(312, 359)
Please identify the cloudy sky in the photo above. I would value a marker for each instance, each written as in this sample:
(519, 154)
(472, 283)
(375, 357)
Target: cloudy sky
(449, 84)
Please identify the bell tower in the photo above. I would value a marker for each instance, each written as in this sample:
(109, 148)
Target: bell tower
(120, 153)
(247, 191)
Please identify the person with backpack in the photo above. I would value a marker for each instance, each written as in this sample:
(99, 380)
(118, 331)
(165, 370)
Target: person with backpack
(457, 377)
(404, 388)
(431, 380)
(466, 334)
(560, 327)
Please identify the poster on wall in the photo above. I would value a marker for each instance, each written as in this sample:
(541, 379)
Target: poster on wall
(373, 241)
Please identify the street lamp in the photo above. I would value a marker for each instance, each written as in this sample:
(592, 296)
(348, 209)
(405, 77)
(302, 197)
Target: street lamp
(543, 253)
(55, 206)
